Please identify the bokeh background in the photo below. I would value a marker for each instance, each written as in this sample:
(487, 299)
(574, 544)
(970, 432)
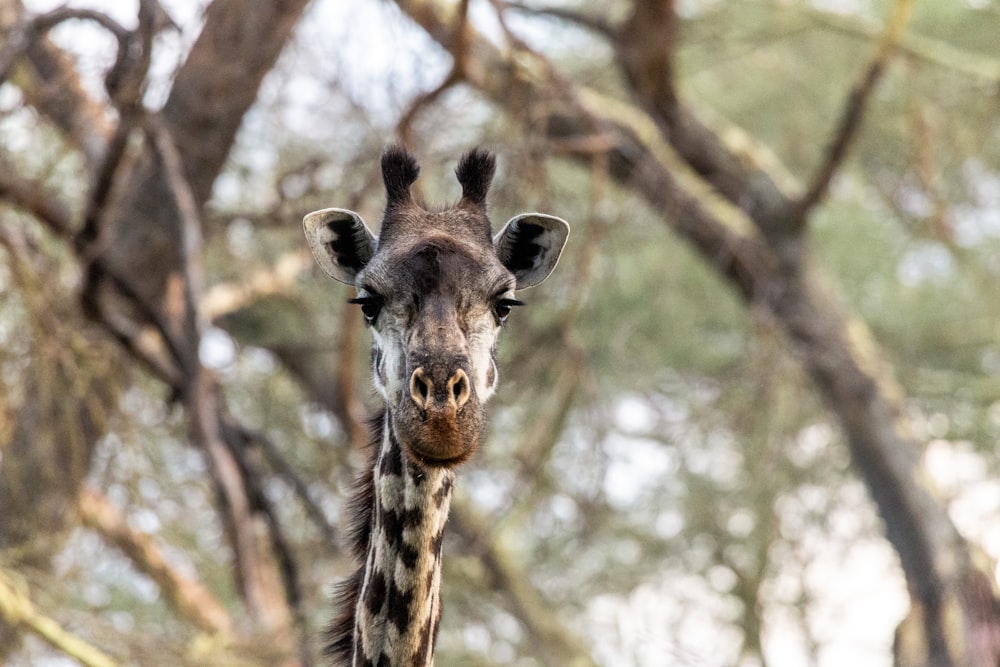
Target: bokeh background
(751, 420)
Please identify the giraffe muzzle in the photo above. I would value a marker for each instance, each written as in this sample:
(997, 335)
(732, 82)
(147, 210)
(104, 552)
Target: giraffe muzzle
(441, 422)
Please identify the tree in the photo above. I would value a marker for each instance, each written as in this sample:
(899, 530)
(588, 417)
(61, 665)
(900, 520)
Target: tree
(152, 252)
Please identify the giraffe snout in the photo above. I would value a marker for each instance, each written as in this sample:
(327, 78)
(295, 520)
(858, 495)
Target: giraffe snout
(449, 394)
(442, 420)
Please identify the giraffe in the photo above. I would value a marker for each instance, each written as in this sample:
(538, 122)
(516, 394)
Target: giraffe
(435, 288)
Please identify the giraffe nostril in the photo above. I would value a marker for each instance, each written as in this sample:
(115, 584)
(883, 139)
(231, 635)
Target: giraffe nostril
(420, 387)
(461, 390)
(455, 392)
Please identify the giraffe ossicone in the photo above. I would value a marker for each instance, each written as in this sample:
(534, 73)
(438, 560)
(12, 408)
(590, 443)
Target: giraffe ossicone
(435, 287)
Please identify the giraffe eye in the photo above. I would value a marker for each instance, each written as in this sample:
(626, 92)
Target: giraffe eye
(371, 306)
(502, 308)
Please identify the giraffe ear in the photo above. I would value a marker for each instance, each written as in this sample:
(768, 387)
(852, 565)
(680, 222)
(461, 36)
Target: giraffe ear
(529, 246)
(340, 242)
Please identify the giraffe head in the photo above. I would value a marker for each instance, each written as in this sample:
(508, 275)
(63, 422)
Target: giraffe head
(435, 287)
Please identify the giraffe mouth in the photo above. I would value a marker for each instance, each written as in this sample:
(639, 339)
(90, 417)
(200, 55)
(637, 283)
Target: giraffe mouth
(439, 437)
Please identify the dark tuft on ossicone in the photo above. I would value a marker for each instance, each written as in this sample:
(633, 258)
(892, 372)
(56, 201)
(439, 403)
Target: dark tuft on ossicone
(475, 173)
(399, 171)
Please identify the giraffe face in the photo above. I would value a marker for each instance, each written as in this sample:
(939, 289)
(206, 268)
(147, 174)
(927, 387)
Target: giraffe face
(435, 310)
(435, 289)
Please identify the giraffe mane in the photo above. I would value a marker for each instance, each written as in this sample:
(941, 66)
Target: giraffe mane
(360, 508)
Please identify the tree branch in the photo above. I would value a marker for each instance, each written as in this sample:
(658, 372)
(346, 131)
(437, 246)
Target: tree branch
(916, 47)
(596, 24)
(645, 46)
(125, 83)
(852, 114)
(259, 585)
(458, 48)
(49, 81)
(222, 299)
(186, 317)
(34, 199)
(17, 609)
(188, 596)
(19, 37)
(286, 472)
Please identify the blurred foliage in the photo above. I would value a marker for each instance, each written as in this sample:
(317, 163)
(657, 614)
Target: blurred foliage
(657, 467)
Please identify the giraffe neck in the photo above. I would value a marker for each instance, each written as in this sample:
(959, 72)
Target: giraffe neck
(399, 605)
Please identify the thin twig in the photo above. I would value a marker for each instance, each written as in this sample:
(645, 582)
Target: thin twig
(126, 83)
(852, 113)
(284, 470)
(238, 440)
(406, 120)
(17, 609)
(18, 38)
(980, 68)
(459, 52)
(597, 24)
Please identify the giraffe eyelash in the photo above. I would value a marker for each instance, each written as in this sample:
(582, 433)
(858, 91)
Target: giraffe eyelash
(371, 306)
(502, 309)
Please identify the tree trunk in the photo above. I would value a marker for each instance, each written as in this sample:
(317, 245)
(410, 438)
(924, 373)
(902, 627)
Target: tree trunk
(141, 224)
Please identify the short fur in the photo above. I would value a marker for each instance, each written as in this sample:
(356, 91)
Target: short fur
(394, 596)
